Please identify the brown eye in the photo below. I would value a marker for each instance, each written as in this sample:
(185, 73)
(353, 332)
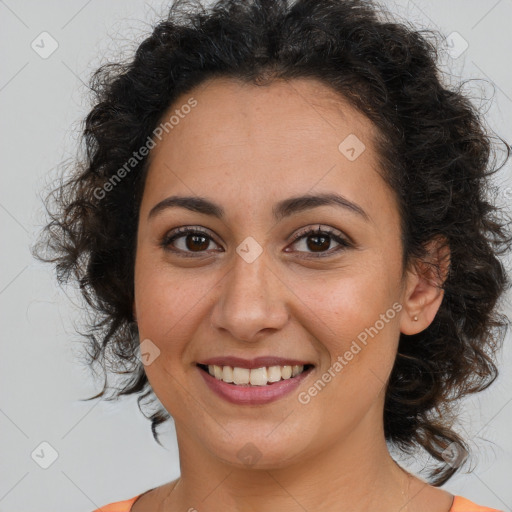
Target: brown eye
(192, 240)
(319, 241)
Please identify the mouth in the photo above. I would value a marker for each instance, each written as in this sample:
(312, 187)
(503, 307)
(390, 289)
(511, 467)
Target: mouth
(263, 376)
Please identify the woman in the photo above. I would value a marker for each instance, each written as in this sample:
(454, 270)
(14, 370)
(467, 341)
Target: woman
(282, 226)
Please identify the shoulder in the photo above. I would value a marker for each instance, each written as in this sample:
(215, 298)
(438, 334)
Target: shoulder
(461, 504)
(118, 506)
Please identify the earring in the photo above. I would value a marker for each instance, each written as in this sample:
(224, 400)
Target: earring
(415, 318)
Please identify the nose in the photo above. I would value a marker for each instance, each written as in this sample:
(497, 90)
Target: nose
(251, 300)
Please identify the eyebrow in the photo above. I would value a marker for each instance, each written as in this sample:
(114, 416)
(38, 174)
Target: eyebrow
(283, 209)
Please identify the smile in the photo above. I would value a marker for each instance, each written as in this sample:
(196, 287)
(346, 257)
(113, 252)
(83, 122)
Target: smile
(263, 376)
(242, 392)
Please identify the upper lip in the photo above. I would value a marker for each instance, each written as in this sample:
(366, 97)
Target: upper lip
(257, 362)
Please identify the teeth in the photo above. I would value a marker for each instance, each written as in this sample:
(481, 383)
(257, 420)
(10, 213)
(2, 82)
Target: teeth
(258, 377)
(274, 373)
(241, 375)
(227, 374)
(255, 376)
(286, 372)
(217, 372)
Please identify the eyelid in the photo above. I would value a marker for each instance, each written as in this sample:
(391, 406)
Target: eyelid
(321, 229)
(186, 229)
(344, 241)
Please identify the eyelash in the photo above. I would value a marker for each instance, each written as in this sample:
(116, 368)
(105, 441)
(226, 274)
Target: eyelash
(167, 240)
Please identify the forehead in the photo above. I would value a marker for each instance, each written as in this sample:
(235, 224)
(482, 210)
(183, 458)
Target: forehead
(281, 139)
(229, 112)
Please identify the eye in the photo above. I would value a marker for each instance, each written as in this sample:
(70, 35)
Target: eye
(319, 239)
(195, 240)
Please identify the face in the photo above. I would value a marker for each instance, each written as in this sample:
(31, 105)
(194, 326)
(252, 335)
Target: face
(262, 280)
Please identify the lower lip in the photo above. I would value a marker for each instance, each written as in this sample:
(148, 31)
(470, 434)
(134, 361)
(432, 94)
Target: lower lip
(253, 395)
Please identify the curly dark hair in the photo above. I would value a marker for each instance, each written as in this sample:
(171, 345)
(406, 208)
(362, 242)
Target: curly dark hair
(434, 149)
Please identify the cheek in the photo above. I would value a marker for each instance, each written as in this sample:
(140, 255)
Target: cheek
(354, 316)
(350, 300)
(358, 336)
(168, 299)
(167, 307)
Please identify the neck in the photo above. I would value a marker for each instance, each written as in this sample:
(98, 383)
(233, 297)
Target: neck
(354, 474)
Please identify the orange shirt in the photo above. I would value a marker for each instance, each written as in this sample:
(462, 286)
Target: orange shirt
(460, 504)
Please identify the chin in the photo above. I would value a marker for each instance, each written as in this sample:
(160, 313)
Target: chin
(258, 451)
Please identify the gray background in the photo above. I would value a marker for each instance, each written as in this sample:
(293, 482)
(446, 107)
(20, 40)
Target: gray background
(105, 451)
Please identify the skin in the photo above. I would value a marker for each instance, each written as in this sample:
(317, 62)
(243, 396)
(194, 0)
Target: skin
(246, 148)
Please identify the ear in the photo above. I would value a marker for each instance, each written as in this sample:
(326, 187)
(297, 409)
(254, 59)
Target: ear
(423, 292)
